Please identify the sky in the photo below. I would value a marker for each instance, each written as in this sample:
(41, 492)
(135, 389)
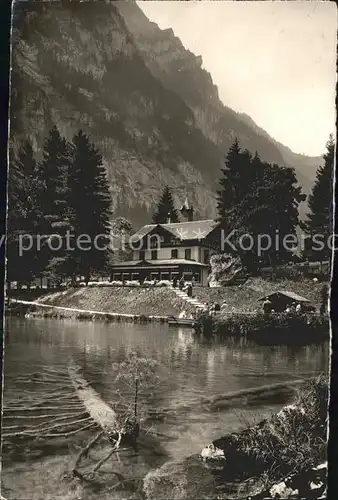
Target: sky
(274, 61)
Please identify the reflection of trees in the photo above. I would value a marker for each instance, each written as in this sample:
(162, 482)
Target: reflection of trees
(183, 358)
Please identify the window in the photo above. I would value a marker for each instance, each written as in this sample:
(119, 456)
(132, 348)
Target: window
(174, 253)
(187, 254)
(142, 254)
(206, 256)
(175, 242)
(154, 255)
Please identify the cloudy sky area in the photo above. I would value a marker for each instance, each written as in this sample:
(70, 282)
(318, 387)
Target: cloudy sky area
(275, 61)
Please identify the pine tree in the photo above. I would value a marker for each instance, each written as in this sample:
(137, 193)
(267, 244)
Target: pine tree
(255, 199)
(90, 203)
(320, 217)
(24, 216)
(53, 197)
(281, 196)
(165, 208)
(235, 183)
(53, 172)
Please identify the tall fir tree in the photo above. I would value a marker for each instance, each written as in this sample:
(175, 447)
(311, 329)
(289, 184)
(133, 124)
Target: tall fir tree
(53, 173)
(258, 199)
(320, 217)
(90, 204)
(234, 183)
(24, 216)
(165, 208)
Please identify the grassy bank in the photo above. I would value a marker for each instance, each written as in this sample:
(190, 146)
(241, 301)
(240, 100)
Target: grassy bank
(252, 462)
(267, 328)
(289, 443)
(159, 301)
(245, 297)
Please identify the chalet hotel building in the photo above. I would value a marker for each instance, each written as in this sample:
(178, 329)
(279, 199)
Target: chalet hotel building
(163, 251)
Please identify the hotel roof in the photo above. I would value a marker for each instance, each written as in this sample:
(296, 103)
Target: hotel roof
(193, 230)
(159, 262)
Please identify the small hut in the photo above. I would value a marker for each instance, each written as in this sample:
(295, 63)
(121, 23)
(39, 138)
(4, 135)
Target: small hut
(282, 299)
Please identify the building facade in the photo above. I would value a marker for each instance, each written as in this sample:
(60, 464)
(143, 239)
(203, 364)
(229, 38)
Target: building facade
(166, 251)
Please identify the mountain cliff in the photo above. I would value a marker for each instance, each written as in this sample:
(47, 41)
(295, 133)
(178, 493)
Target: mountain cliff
(144, 100)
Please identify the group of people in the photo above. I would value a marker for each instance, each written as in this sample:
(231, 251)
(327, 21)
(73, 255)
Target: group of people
(212, 308)
(290, 309)
(180, 282)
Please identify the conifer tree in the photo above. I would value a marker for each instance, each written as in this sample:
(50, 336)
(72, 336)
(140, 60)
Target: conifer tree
(320, 217)
(255, 199)
(53, 197)
(53, 172)
(234, 183)
(90, 203)
(165, 208)
(24, 216)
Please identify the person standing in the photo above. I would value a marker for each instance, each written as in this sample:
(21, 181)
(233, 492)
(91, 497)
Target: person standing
(181, 283)
(267, 306)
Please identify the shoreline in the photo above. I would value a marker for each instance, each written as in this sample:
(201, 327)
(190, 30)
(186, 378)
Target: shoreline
(283, 454)
(257, 327)
(80, 314)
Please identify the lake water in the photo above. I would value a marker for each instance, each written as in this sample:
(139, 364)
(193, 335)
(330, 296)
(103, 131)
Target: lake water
(190, 372)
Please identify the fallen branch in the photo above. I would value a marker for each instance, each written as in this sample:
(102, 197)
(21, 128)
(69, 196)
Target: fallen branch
(69, 400)
(159, 434)
(85, 450)
(31, 434)
(39, 427)
(48, 369)
(103, 460)
(30, 417)
(47, 398)
(35, 381)
(65, 424)
(66, 434)
(36, 408)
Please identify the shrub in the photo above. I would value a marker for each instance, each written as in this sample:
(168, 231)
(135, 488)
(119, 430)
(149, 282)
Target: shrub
(291, 441)
(258, 325)
(295, 438)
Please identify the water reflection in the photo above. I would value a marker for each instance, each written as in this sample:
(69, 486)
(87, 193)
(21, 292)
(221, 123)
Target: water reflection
(189, 369)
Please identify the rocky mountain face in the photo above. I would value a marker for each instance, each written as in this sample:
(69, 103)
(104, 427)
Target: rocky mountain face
(145, 101)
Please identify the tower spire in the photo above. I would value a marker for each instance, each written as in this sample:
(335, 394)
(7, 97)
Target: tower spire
(187, 210)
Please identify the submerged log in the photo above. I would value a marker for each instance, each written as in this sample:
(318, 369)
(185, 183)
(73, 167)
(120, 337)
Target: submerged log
(278, 390)
(115, 428)
(102, 413)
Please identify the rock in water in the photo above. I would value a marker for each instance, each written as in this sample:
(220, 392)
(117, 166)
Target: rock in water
(180, 480)
(211, 452)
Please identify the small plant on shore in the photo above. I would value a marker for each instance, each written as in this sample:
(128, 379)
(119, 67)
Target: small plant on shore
(137, 374)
